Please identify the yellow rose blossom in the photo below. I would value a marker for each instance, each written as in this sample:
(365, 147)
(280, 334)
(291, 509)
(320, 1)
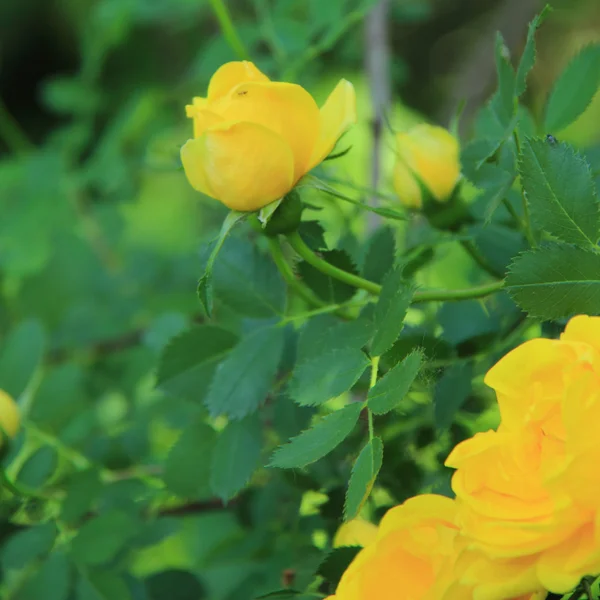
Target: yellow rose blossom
(427, 155)
(255, 138)
(10, 419)
(528, 492)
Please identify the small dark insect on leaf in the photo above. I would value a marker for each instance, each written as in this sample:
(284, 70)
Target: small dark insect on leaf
(551, 140)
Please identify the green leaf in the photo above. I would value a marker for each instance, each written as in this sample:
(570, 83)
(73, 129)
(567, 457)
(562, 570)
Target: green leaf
(451, 391)
(189, 361)
(313, 234)
(560, 191)
(205, 286)
(50, 580)
(102, 537)
(497, 244)
(335, 564)
(574, 90)
(38, 467)
(503, 105)
(528, 57)
(102, 585)
(328, 288)
(556, 281)
(27, 545)
(248, 281)
(244, 378)
(236, 456)
(381, 254)
(174, 584)
(319, 440)
(364, 474)
(22, 351)
(82, 489)
(390, 311)
(326, 376)
(390, 390)
(187, 468)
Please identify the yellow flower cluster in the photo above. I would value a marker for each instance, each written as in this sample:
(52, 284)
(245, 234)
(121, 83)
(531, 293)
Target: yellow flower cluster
(255, 138)
(526, 517)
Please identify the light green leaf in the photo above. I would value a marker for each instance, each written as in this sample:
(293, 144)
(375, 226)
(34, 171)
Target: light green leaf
(319, 440)
(560, 191)
(529, 53)
(236, 456)
(187, 468)
(102, 537)
(326, 376)
(188, 362)
(390, 311)
(21, 353)
(364, 474)
(574, 90)
(451, 391)
(244, 378)
(556, 281)
(390, 390)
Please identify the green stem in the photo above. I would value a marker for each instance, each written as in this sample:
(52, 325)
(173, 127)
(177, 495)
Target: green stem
(310, 257)
(229, 30)
(374, 369)
(11, 132)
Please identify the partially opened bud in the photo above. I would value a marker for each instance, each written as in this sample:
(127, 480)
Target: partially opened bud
(428, 157)
(10, 419)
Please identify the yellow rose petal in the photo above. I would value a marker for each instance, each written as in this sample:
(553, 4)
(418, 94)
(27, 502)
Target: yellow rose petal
(285, 108)
(583, 329)
(336, 116)
(231, 74)
(356, 532)
(203, 119)
(10, 419)
(244, 165)
(406, 186)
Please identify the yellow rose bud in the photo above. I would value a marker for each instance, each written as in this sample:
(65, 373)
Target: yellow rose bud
(255, 138)
(357, 532)
(426, 155)
(10, 420)
(528, 492)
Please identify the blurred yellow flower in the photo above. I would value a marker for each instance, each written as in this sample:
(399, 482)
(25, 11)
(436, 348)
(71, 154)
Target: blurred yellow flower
(255, 138)
(426, 155)
(357, 532)
(10, 419)
(528, 492)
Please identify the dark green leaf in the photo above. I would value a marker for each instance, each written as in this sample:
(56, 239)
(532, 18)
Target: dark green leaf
(451, 391)
(574, 90)
(560, 191)
(313, 235)
(390, 390)
(50, 581)
(364, 474)
(187, 469)
(335, 564)
(390, 311)
(27, 545)
(188, 362)
(244, 378)
(556, 281)
(326, 376)
(38, 467)
(174, 584)
(102, 537)
(22, 351)
(82, 489)
(102, 585)
(319, 440)
(381, 255)
(328, 288)
(529, 54)
(497, 244)
(235, 456)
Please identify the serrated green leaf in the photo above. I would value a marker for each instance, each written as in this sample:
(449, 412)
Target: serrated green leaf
(244, 378)
(235, 456)
(102, 537)
(574, 89)
(451, 391)
(335, 564)
(528, 57)
(556, 281)
(188, 362)
(364, 474)
(381, 255)
(319, 440)
(50, 580)
(22, 351)
(390, 311)
(560, 191)
(326, 376)
(187, 468)
(390, 390)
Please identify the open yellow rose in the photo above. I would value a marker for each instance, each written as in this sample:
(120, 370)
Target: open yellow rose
(426, 155)
(10, 419)
(255, 138)
(528, 492)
